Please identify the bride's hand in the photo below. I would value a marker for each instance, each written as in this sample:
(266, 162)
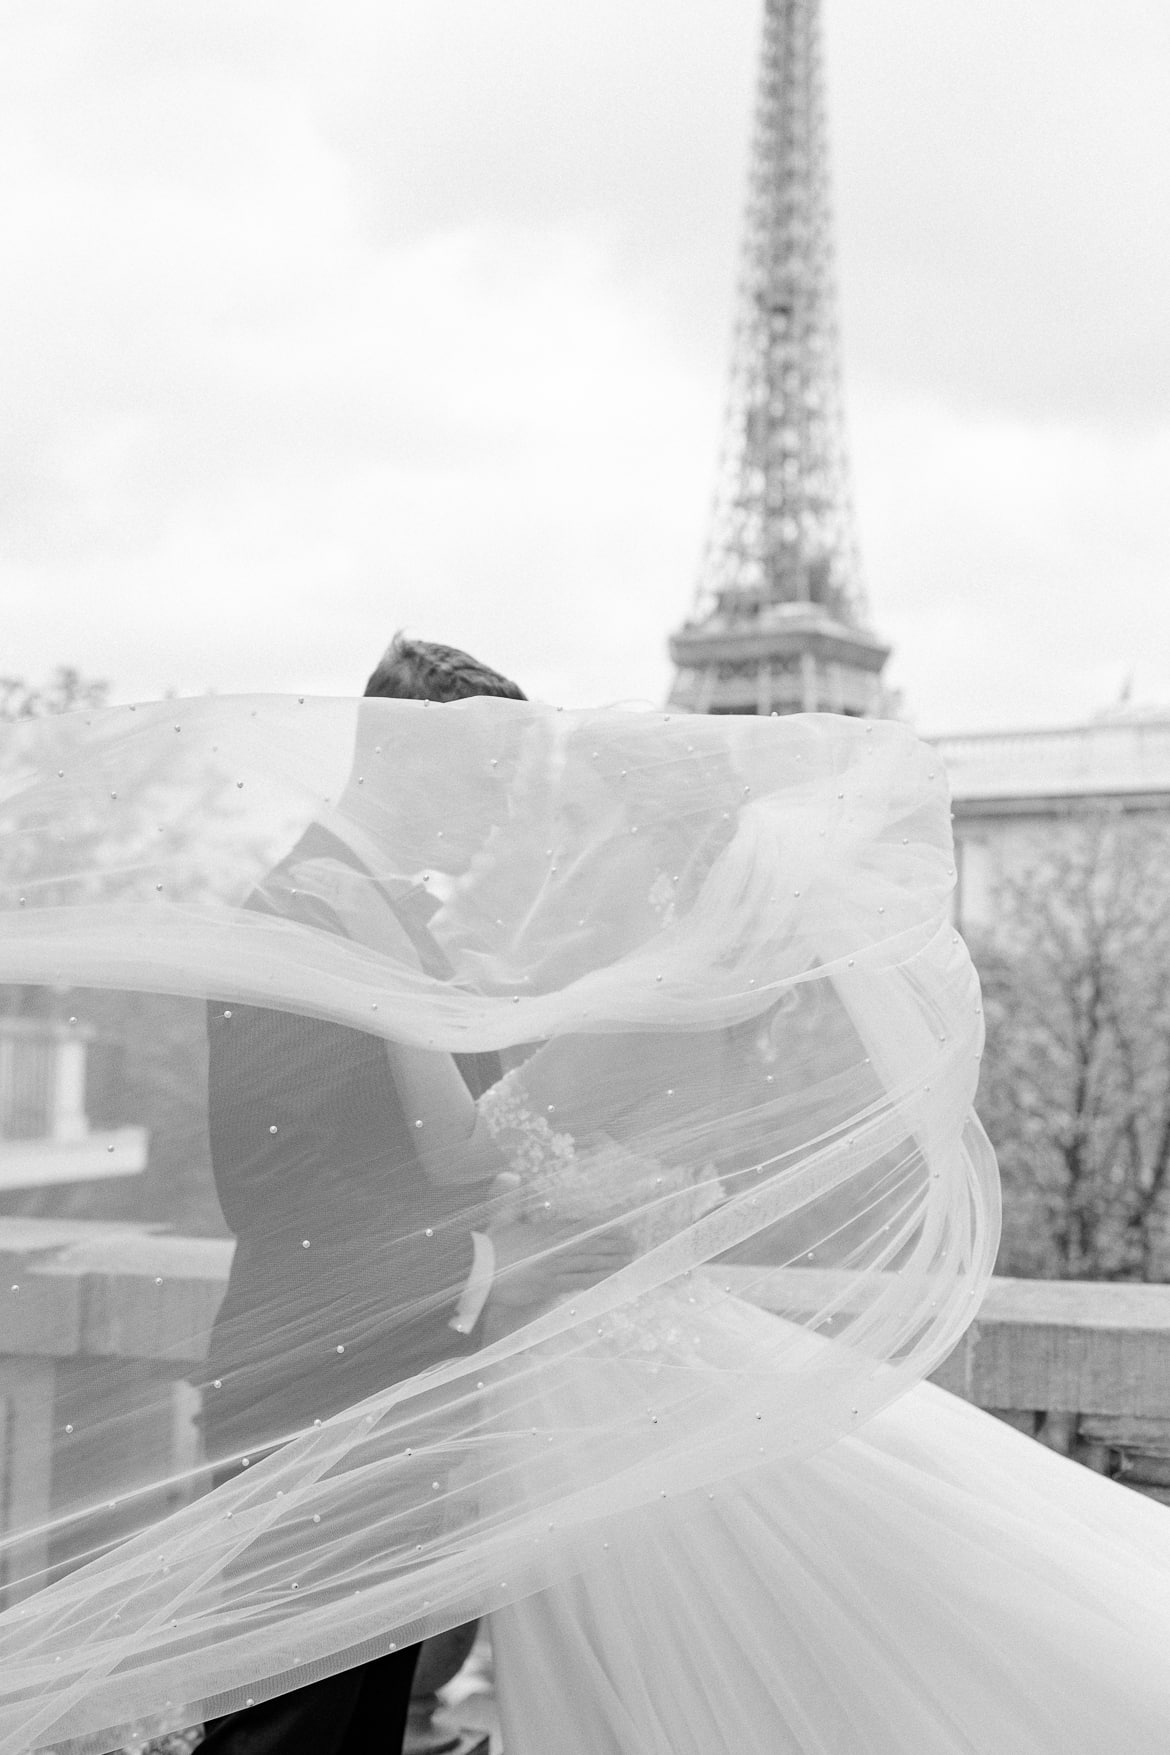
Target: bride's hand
(537, 1265)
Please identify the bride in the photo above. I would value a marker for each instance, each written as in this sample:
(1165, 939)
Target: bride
(933, 1581)
(707, 1501)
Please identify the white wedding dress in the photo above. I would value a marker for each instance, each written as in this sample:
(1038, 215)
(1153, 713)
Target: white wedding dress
(934, 1584)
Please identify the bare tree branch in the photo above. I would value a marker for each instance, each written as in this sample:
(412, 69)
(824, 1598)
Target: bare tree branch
(1076, 1077)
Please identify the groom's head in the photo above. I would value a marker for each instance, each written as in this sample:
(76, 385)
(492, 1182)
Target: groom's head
(403, 811)
(420, 670)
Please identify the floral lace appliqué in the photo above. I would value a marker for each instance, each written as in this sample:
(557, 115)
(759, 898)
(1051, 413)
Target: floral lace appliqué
(567, 1181)
(661, 898)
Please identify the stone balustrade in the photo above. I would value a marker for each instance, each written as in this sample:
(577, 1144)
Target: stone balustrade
(45, 1136)
(1083, 1366)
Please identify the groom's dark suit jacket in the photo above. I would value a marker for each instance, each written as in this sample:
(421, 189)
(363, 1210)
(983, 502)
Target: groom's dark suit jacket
(347, 1267)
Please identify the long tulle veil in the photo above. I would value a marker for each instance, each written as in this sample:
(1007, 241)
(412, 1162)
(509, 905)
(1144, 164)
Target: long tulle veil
(728, 943)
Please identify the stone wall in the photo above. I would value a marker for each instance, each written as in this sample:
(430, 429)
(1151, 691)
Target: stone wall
(1082, 1366)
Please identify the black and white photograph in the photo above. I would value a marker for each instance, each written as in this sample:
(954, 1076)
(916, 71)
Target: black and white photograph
(584, 877)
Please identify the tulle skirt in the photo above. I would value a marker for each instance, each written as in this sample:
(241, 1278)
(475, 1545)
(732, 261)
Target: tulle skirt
(934, 1584)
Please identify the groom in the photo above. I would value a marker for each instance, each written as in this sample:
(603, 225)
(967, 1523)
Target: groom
(321, 1178)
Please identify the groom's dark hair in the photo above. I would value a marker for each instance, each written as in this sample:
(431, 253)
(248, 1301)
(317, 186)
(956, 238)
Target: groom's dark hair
(420, 670)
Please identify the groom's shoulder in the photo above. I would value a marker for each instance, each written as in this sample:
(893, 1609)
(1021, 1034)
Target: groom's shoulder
(278, 892)
(278, 895)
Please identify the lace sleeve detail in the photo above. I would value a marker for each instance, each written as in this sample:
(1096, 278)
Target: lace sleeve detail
(538, 1154)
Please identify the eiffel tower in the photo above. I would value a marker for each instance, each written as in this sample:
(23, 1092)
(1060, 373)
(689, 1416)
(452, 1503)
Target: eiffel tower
(779, 623)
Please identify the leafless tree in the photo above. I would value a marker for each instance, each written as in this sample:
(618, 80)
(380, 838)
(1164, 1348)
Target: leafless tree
(148, 1054)
(65, 692)
(1075, 1090)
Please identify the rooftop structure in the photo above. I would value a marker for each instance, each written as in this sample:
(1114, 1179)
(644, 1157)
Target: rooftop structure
(1121, 758)
(1011, 787)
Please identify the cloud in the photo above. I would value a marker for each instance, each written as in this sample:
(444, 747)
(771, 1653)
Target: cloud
(1001, 172)
(475, 436)
(1012, 562)
(318, 319)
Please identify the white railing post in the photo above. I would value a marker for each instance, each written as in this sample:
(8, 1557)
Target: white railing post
(67, 1121)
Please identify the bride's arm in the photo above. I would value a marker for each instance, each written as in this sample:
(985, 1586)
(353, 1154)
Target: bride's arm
(452, 1142)
(450, 1135)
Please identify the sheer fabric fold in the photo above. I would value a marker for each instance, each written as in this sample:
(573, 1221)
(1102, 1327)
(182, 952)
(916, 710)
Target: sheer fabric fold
(700, 979)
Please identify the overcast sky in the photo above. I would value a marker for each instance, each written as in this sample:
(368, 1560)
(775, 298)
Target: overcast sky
(318, 319)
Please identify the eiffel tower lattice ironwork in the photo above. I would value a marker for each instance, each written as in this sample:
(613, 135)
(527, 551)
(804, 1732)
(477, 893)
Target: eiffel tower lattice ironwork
(779, 625)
